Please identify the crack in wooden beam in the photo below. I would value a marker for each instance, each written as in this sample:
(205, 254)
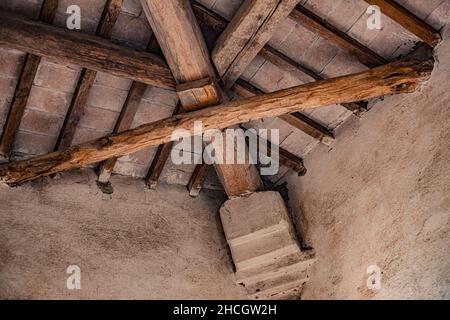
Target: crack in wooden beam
(399, 77)
(23, 88)
(409, 21)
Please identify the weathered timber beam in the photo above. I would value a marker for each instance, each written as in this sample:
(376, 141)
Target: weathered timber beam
(303, 73)
(286, 158)
(23, 88)
(409, 21)
(179, 36)
(87, 77)
(197, 179)
(399, 77)
(88, 51)
(296, 119)
(250, 29)
(313, 22)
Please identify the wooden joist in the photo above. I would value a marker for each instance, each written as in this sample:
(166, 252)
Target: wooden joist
(286, 158)
(394, 78)
(409, 21)
(126, 117)
(88, 51)
(313, 22)
(87, 77)
(179, 36)
(23, 88)
(160, 159)
(247, 33)
(197, 179)
(277, 58)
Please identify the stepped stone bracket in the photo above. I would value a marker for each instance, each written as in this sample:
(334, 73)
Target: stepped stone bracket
(269, 262)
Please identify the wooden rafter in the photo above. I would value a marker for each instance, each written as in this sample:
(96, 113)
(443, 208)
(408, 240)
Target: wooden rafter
(184, 48)
(247, 33)
(286, 158)
(313, 22)
(409, 21)
(126, 117)
(394, 78)
(217, 23)
(86, 81)
(23, 88)
(88, 51)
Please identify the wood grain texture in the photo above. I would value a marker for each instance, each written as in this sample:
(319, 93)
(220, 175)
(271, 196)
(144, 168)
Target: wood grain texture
(88, 51)
(247, 33)
(277, 58)
(313, 22)
(297, 120)
(198, 94)
(399, 77)
(408, 20)
(179, 36)
(23, 88)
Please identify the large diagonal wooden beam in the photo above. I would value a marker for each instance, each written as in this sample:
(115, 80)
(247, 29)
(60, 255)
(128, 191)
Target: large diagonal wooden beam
(394, 78)
(247, 33)
(313, 22)
(250, 29)
(23, 88)
(409, 21)
(87, 77)
(186, 53)
(88, 51)
(296, 119)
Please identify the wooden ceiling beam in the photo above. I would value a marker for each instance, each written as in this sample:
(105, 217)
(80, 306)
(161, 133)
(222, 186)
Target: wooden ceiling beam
(23, 88)
(409, 21)
(160, 159)
(296, 119)
(87, 77)
(88, 51)
(311, 21)
(248, 32)
(394, 78)
(304, 74)
(186, 53)
(250, 29)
